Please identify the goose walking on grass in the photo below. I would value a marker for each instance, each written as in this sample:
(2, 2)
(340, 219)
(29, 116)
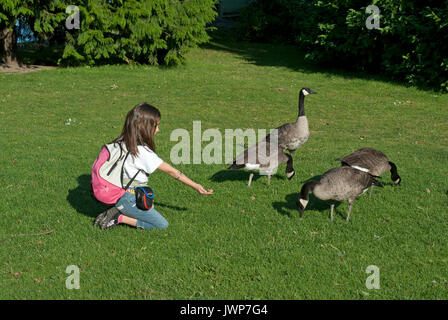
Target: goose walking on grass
(372, 160)
(337, 184)
(293, 135)
(264, 159)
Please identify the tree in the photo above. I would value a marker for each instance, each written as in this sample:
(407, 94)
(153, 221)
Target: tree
(10, 11)
(144, 31)
(42, 16)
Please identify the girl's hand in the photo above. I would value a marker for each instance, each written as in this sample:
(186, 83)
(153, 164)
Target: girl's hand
(201, 190)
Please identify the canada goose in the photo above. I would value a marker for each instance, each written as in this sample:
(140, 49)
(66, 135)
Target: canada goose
(292, 135)
(260, 157)
(372, 160)
(337, 184)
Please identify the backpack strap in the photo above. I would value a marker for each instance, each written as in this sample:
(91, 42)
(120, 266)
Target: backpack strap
(122, 172)
(132, 180)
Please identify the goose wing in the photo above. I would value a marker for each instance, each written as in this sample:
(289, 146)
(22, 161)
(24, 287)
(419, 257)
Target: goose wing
(284, 132)
(258, 156)
(343, 183)
(375, 161)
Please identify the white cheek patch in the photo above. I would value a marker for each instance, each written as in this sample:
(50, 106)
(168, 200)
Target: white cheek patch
(397, 181)
(360, 168)
(305, 93)
(303, 202)
(290, 174)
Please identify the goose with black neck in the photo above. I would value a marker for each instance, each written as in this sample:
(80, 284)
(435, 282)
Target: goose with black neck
(292, 136)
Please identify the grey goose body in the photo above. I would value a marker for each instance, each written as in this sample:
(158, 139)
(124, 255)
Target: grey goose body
(375, 161)
(264, 158)
(337, 184)
(292, 136)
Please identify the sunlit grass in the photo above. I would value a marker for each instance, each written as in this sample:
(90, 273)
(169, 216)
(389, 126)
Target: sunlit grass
(239, 243)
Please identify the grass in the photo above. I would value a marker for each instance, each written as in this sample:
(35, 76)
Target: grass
(239, 243)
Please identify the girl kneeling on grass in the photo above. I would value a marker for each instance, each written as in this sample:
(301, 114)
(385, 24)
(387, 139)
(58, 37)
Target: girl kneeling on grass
(141, 125)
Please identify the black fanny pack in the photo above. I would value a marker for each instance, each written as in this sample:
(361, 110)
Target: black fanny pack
(144, 197)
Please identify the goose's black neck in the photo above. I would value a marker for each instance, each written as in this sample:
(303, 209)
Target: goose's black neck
(289, 166)
(301, 104)
(393, 171)
(307, 188)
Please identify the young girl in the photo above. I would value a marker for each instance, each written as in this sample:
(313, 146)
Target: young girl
(141, 125)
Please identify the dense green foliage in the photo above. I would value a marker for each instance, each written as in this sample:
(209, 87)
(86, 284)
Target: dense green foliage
(411, 42)
(41, 17)
(24, 17)
(149, 31)
(11, 9)
(154, 32)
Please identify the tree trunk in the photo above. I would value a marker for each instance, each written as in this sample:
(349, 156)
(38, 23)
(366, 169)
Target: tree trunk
(8, 47)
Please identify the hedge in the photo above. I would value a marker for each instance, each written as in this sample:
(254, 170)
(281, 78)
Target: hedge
(410, 44)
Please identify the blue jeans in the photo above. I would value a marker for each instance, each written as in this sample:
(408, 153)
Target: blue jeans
(146, 219)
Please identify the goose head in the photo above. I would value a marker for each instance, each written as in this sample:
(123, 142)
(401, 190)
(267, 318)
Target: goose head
(307, 91)
(303, 197)
(290, 174)
(301, 204)
(394, 174)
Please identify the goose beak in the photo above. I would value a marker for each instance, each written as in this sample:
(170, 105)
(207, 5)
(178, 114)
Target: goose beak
(313, 92)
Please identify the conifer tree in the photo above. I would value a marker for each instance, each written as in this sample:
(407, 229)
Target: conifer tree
(110, 31)
(144, 31)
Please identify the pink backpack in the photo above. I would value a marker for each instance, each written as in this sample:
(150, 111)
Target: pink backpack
(107, 173)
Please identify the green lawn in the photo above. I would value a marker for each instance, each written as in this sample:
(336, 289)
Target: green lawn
(239, 243)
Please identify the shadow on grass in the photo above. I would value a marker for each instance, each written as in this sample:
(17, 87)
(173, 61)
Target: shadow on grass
(168, 206)
(81, 198)
(389, 184)
(290, 206)
(288, 56)
(239, 175)
(290, 203)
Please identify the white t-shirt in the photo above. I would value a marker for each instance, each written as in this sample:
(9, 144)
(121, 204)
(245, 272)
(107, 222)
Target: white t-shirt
(147, 160)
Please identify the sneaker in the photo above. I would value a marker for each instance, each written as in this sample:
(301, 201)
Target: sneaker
(102, 215)
(110, 219)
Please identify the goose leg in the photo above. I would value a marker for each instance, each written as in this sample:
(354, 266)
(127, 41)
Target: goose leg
(250, 179)
(331, 211)
(350, 203)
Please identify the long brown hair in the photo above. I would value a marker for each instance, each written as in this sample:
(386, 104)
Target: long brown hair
(139, 128)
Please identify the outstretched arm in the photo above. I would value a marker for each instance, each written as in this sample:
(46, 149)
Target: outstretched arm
(176, 174)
